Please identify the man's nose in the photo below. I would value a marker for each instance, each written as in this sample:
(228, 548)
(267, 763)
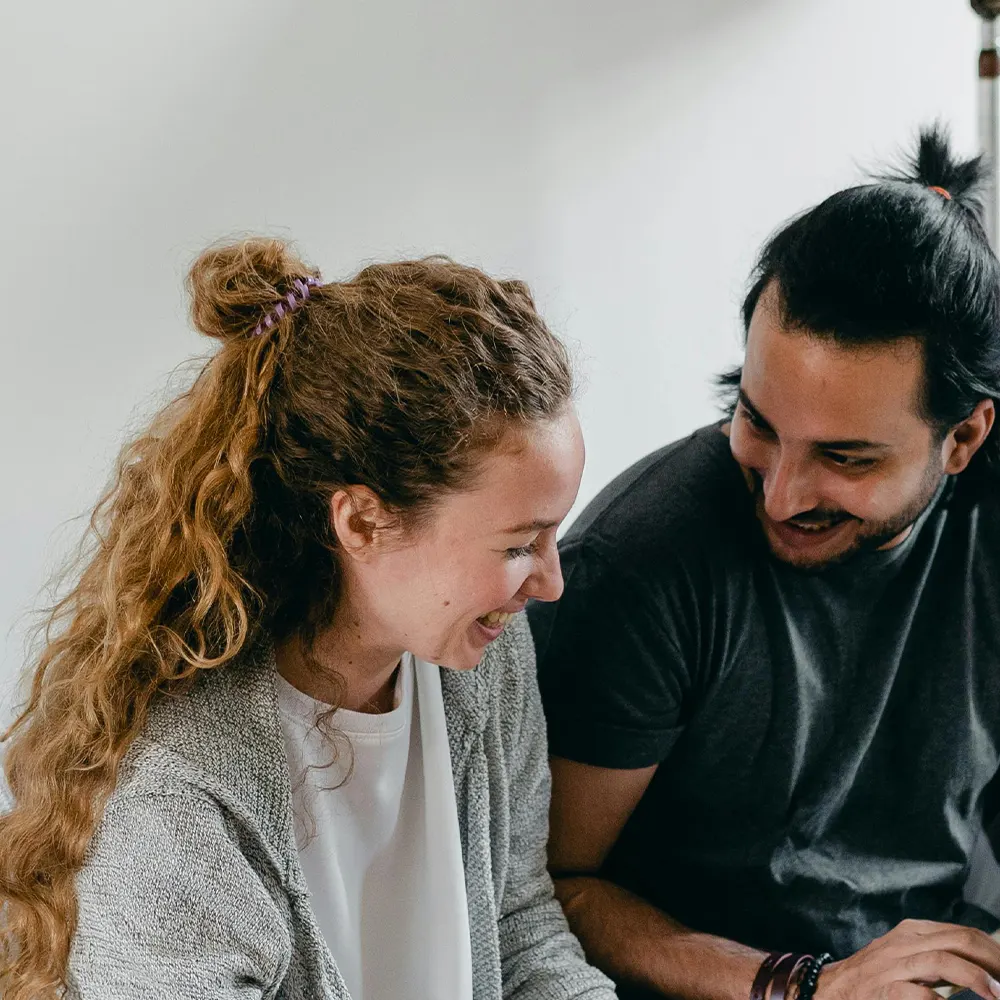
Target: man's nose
(789, 489)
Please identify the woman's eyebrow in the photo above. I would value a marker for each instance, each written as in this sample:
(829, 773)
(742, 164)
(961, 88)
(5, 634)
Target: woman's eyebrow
(523, 529)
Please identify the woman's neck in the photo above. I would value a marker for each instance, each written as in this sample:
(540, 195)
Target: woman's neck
(341, 668)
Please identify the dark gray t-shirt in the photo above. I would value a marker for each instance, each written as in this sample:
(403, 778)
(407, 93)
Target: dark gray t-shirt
(825, 740)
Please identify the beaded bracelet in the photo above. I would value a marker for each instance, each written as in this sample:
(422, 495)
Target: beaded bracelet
(807, 985)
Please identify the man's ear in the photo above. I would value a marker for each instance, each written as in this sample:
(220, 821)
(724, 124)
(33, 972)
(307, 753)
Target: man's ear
(966, 438)
(357, 516)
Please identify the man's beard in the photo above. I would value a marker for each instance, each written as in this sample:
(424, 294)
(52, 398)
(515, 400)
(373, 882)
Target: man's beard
(873, 534)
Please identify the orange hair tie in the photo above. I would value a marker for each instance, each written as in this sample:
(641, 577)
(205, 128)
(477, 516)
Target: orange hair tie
(941, 191)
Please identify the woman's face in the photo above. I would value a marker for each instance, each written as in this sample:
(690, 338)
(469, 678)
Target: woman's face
(445, 590)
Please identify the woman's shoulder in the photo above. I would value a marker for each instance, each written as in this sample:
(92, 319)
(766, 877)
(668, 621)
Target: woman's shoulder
(220, 743)
(509, 665)
(166, 871)
(501, 685)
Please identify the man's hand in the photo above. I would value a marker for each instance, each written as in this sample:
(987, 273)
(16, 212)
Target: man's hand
(911, 959)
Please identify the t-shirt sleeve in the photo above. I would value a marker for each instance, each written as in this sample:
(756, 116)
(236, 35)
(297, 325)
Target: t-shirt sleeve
(611, 665)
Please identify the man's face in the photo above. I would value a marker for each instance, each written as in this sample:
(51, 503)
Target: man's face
(831, 441)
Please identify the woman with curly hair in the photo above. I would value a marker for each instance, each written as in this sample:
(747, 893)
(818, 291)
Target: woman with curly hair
(284, 737)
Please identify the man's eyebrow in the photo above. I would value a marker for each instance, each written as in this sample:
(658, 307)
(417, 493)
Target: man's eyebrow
(529, 526)
(748, 405)
(849, 444)
(853, 445)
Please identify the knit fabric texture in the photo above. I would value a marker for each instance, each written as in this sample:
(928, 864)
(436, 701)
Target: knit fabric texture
(192, 887)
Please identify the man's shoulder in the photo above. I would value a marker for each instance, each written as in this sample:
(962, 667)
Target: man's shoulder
(684, 493)
(976, 490)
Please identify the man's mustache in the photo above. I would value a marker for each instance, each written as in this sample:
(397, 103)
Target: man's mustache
(818, 515)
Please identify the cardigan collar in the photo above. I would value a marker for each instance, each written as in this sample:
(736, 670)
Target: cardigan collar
(226, 729)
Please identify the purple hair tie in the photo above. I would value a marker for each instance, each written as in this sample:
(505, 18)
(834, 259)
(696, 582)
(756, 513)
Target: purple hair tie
(302, 285)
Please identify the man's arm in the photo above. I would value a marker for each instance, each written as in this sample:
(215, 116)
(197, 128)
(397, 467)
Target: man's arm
(634, 942)
(621, 933)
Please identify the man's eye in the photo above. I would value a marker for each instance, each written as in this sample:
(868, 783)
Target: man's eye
(751, 418)
(850, 462)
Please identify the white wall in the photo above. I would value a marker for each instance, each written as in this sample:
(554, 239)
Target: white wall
(627, 158)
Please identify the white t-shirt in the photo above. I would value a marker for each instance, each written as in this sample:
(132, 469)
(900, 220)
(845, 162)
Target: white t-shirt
(381, 853)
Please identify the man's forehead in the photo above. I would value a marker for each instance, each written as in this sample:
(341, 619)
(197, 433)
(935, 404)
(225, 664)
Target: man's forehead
(838, 404)
(769, 327)
(829, 391)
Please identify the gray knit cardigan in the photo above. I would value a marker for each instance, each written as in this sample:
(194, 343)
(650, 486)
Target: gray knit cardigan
(192, 887)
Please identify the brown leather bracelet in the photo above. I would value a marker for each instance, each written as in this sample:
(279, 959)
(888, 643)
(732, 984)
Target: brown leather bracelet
(765, 973)
(786, 974)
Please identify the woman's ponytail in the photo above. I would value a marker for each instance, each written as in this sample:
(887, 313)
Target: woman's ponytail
(158, 600)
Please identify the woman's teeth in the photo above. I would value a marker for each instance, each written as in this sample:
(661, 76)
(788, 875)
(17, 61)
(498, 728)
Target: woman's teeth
(496, 618)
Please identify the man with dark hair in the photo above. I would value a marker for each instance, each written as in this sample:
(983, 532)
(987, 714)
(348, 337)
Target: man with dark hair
(773, 681)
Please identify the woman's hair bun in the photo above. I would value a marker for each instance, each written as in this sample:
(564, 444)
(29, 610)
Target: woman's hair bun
(233, 285)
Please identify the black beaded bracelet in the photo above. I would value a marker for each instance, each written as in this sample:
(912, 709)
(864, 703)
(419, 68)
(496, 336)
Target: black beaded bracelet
(807, 984)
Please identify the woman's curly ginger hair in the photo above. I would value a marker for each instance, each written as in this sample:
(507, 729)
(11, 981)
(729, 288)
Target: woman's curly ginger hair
(215, 531)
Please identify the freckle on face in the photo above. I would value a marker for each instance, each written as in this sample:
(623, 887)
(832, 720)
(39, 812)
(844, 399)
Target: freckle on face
(446, 603)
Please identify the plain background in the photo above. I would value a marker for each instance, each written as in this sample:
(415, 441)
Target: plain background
(626, 158)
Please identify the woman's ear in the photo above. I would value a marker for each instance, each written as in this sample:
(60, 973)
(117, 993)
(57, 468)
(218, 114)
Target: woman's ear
(357, 516)
(966, 438)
